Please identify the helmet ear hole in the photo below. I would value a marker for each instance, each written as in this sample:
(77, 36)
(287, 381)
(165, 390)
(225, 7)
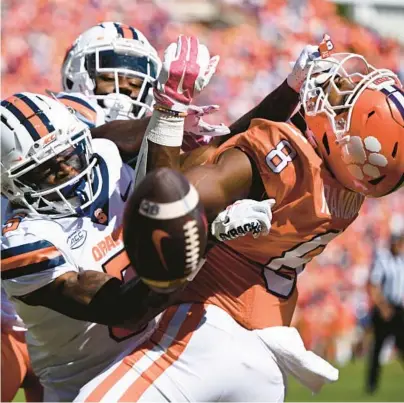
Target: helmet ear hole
(325, 144)
(371, 114)
(69, 83)
(89, 65)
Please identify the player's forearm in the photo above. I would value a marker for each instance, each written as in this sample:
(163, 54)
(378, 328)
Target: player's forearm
(126, 134)
(218, 185)
(277, 106)
(159, 156)
(162, 144)
(97, 297)
(221, 184)
(131, 305)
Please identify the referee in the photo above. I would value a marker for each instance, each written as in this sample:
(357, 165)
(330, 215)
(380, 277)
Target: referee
(387, 293)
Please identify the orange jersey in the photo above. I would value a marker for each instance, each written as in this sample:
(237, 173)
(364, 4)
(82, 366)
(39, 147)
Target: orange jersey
(254, 280)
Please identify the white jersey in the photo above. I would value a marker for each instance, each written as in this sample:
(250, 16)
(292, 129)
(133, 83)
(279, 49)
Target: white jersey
(9, 317)
(66, 353)
(3, 205)
(90, 113)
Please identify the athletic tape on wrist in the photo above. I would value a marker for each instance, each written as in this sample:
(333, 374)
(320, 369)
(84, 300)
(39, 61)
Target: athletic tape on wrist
(165, 130)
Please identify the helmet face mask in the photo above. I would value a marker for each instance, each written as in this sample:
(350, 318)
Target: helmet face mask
(321, 86)
(102, 50)
(353, 111)
(24, 160)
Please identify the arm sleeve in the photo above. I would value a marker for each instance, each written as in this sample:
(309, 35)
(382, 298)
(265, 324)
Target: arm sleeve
(29, 263)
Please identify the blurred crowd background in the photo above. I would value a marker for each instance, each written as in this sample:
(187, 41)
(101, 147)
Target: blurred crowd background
(256, 41)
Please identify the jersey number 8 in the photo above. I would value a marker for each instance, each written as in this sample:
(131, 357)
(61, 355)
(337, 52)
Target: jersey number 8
(278, 158)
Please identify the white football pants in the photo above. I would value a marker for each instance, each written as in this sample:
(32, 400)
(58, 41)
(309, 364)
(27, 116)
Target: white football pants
(197, 353)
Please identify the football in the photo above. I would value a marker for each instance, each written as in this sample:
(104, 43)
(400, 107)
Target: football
(165, 229)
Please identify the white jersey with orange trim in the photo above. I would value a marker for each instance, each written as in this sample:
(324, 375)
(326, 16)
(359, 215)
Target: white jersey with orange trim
(90, 113)
(85, 108)
(66, 353)
(9, 317)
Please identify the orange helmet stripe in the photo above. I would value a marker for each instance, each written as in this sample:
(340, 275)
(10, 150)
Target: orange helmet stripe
(126, 31)
(29, 115)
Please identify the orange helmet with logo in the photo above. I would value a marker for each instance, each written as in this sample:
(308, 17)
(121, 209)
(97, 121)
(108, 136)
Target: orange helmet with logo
(355, 117)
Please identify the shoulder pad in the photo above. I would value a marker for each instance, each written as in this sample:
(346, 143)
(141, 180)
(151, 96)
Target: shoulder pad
(87, 110)
(23, 252)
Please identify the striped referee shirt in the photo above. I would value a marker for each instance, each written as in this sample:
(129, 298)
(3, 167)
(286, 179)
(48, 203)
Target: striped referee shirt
(388, 273)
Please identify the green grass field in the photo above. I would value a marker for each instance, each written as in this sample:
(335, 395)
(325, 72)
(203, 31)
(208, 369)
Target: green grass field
(349, 388)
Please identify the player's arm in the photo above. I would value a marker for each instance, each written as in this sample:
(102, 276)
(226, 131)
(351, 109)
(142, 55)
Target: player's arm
(126, 134)
(219, 184)
(38, 273)
(98, 297)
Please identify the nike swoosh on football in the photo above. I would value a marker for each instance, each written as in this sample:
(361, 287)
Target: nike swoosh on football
(124, 196)
(157, 236)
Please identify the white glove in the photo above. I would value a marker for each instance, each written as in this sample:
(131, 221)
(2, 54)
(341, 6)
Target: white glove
(196, 126)
(187, 69)
(308, 55)
(243, 217)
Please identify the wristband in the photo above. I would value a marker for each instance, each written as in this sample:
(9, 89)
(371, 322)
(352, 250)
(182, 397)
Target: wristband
(165, 130)
(170, 112)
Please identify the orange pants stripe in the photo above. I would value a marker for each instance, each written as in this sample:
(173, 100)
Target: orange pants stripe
(123, 368)
(172, 354)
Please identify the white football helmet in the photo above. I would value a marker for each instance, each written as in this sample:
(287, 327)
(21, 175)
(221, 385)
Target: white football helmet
(34, 129)
(116, 48)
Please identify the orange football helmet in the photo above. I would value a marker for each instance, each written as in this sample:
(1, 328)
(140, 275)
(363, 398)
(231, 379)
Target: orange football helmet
(355, 117)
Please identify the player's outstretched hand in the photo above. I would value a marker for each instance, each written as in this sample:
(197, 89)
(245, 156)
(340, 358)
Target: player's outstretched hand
(187, 69)
(243, 217)
(194, 124)
(309, 54)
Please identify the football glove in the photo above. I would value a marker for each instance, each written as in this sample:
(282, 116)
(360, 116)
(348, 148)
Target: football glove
(309, 54)
(243, 217)
(187, 69)
(194, 124)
